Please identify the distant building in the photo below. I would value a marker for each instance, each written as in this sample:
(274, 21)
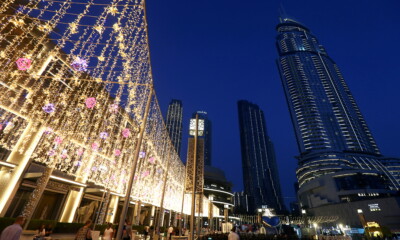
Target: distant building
(241, 203)
(339, 159)
(205, 134)
(260, 173)
(174, 123)
(217, 189)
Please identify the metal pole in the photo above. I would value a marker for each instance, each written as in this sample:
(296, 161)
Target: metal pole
(193, 212)
(161, 214)
(133, 168)
(181, 220)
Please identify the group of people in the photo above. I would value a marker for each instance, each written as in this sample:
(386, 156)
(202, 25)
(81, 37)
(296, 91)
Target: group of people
(85, 232)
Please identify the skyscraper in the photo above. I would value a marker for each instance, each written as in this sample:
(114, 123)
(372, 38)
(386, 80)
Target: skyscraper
(205, 134)
(339, 160)
(174, 123)
(260, 173)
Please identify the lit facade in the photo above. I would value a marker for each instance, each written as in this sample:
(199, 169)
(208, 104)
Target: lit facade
(174, 123)
(260, 172)
(332, 135)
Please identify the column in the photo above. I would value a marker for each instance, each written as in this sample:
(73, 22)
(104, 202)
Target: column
(112, 209)
(29, 138)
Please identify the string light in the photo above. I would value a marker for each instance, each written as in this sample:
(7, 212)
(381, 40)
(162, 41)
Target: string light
(82, 70)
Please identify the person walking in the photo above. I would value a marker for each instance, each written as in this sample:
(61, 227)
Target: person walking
(13, 232)
(233, 235)
(127, 233)
(170, 231)
(84, 232)
(109, 232)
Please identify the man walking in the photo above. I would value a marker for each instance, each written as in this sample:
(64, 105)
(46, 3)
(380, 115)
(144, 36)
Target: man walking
(13, 232)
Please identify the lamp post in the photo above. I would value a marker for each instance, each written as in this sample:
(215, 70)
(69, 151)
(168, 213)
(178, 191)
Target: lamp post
(193, 212)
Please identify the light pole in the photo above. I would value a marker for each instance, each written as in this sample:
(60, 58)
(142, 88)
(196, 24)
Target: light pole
(133, 168)
(193, 212)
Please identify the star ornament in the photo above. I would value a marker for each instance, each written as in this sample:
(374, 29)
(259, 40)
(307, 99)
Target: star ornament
(113, 10)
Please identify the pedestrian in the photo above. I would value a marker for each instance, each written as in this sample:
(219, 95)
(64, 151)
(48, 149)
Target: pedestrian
(40, 232)
(85, 232)
(13, 232)
(151, 232)
(170, 231)
(146, 232)
(108, 232)
(127, 233)
(49, 230)
(233, 235)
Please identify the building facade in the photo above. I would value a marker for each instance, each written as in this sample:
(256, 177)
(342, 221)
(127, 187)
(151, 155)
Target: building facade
(339, 159)
(260, 172)
(174, 123)
(205, 133)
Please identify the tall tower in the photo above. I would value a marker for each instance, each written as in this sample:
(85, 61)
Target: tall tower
(206, 135)
(174, 123)
(260, 173)
(337, 150)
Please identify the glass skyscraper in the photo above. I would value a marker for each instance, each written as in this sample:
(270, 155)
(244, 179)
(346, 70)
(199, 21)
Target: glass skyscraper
(174, 123)
(260, 173)
(337, 149)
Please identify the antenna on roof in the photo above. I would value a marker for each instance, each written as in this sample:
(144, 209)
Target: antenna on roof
(282, 13)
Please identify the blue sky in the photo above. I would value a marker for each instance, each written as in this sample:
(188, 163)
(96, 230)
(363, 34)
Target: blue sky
(212, 53)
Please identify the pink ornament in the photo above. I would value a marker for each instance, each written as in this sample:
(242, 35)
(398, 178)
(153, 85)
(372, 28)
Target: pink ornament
(23, 64)
(117, 152)
(90, 102)
(126, 132)
(113, 108)
(79, 152)
(152, 160)
(58, 140)
(95, 146)
(1, 126)
(64, 156)
(52, 152)
(146, 173)
(103, 135)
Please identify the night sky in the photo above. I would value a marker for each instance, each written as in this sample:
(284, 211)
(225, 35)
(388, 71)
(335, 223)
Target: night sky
(211, 53)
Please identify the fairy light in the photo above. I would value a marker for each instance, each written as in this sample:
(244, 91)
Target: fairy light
(85, 78)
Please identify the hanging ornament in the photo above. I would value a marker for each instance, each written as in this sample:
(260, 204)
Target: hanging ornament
(77, 163)
(1, 126)
(146, 173)
(103, 135)
(152, 160)
(23, 64)
(48, 131)
(95, 146)
(142, 154)
(49, 108)
(79, 152)
(113, 108)
(117, 152)
(126, 132)
(52, 152)
(112, 10)
(90, 102)
(79, 64)
(58, 140)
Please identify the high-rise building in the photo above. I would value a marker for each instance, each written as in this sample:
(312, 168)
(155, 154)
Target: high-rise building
(260, 173)
(204, 134)
(174, 123)
(339, 160)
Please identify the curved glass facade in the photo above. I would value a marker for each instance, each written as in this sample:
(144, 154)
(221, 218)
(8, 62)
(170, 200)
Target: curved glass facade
(331, 132)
